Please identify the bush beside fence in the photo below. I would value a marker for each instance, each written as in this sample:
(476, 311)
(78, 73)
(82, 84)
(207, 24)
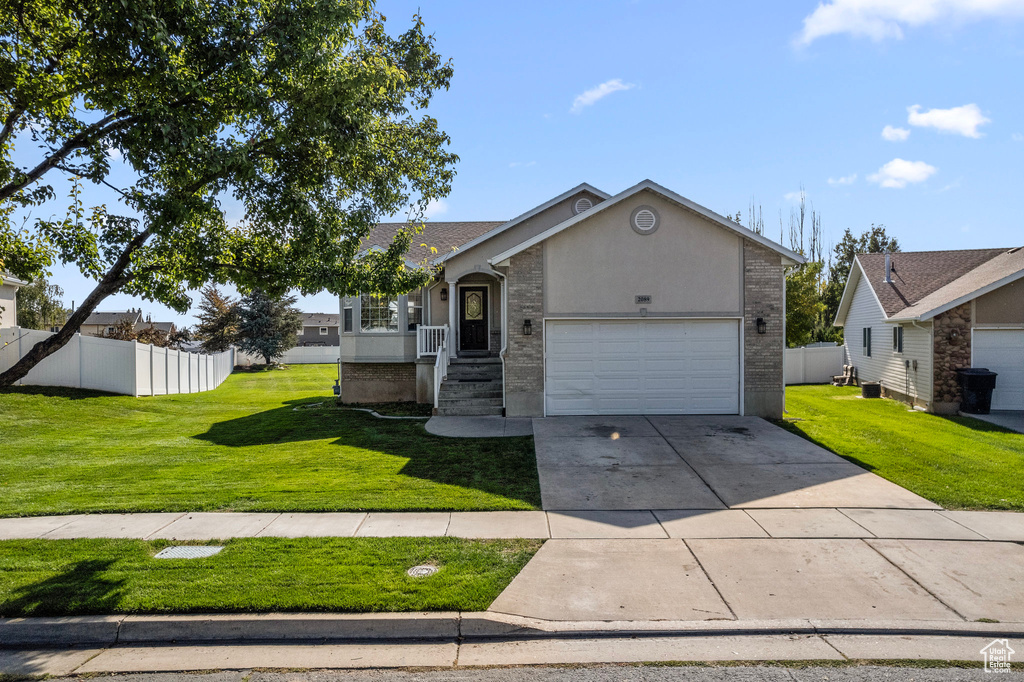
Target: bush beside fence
(125, 367)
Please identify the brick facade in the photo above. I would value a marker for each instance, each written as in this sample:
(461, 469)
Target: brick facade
(524, 365)
(378, 382)
(951, 338)
(763, 275)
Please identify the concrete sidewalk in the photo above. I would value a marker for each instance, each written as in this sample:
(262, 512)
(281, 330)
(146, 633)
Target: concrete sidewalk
(448, 640)
(587, 524)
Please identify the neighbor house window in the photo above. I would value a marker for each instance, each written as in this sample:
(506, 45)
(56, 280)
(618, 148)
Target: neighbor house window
(347, 315)
(897, 339)
(415, 299)
(867, 342)
(323, 331)
(378, 314)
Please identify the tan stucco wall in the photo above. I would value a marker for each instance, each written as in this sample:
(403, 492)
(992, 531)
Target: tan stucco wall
(8, 301)
(688, 265)
(1005, 305)
(475, 258)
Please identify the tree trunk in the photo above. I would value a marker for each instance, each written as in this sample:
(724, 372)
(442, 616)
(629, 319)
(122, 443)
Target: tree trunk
(111, 283)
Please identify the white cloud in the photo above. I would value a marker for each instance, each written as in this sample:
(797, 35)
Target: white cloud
(899, 173)
(435, 208)
(845, 180)
(522, 164)
(592, 95)
(881, 19)
(960, 120)
(1017, 137)
(895, 134)
(114, 153)
(792, 196)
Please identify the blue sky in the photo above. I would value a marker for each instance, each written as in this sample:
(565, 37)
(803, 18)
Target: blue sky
(728, 101)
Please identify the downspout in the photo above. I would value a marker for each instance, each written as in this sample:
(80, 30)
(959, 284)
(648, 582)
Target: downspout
(504, 332)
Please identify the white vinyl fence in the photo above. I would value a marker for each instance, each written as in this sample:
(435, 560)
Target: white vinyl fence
(813, 365)
(300, 355)
(125, 367)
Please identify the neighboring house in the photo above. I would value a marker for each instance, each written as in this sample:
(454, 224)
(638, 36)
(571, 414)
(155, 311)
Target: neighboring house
(9, 300)
(99, 323)
(319, 329)
(638, 303)
(934, 312)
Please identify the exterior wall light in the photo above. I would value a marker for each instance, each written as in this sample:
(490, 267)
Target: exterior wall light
(527, 328)
(444, 294)
(762, 326)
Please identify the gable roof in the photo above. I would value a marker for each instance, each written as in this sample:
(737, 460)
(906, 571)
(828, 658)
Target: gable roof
(442, 236)
(111, 319)
(926, 283)
(582, 187)
(319, 320)
(668, 194)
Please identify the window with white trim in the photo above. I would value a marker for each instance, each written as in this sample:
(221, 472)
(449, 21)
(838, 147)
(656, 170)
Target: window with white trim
(866, 343)
(897, 339)
(378, 314)
(323, 331)
(415, 308)
(347, 316)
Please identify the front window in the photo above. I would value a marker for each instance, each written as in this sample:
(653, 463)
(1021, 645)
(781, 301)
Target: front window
(378, 314)
(415, 309)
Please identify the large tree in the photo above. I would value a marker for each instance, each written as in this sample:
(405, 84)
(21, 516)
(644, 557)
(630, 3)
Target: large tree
(303, 116)
(40, 305)
(267, 325)
(873, 240)
(218, 320)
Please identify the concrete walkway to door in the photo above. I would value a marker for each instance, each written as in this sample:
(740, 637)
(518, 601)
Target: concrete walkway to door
(698, 462)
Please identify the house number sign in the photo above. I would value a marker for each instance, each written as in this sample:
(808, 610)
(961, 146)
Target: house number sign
(641, 300)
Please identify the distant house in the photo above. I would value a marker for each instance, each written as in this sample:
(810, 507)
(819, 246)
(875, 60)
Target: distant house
(9, 300)
(100, 323)
(319, 329)
(911, 319)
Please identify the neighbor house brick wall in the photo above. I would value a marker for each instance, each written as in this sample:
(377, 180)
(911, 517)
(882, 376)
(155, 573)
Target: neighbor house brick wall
(378, 382)
(763, 279)
(951, 349)
(524, 365)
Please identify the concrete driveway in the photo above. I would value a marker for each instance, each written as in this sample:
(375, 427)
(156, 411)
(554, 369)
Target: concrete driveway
(697, 462)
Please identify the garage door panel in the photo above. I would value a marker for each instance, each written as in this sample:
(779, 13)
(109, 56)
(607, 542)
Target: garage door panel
(1002, 351)
(649, 367)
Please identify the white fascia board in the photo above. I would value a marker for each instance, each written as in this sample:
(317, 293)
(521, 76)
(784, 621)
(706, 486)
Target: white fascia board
(856, 275)
(791, 256)
(13, 281)
(929, 314)
(521, 218)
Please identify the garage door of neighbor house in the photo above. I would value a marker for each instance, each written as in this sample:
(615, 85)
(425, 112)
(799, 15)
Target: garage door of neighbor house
(1002, 351)
(642, 367)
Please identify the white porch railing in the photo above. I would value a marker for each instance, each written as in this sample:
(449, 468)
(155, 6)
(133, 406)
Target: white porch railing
(441, 365)
(429, 339)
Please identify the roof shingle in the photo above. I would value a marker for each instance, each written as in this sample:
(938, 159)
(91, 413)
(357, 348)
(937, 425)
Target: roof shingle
(441, 236)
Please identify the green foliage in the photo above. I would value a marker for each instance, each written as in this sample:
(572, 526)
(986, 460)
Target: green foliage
(126, 330)
(803, 302)
(307, 113)
(267, 325)
(40, 305)
(874, 240)
(218, 320)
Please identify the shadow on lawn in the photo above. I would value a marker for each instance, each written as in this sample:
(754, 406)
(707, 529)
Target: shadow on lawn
(80, 589)
(497, 466)
(794, 428)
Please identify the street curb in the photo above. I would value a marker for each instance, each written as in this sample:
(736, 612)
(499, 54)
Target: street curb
(446, 626)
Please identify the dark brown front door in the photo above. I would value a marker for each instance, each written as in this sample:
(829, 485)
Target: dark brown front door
(473, 319)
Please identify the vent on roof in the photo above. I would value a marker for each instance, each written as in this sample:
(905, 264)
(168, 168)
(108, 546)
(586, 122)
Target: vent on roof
(582, 204)
(644, 220)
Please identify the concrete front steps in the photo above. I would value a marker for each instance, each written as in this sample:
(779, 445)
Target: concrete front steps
(473, 388)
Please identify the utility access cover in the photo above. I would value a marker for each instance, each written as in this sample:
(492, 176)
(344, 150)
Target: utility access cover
(188, 552)
(421, 571)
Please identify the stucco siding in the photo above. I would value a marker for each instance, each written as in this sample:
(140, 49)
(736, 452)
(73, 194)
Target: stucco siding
(885, 365)
(475, 258)
(688, 266)
(8, 303)
(1005, 305)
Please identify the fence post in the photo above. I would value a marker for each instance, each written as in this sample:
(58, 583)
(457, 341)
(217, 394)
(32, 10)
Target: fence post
(135, 368)
(17, 330)
(152, 374)
(81, 360)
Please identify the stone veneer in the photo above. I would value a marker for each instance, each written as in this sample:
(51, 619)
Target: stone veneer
(524, 364)
(378, 382)
(951, 339)
(763, 275)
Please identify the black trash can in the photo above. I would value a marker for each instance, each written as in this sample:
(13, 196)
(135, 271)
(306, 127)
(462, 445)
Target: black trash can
(976, 385)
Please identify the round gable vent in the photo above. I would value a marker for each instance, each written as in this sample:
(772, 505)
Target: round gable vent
(644, 220)
(582, 204)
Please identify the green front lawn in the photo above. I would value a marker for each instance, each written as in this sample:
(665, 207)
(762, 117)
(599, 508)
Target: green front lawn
(243, 447)
(76, 577)
(957, 462)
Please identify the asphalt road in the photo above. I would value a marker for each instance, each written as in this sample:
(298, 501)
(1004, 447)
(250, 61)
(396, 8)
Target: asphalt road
(616, 673)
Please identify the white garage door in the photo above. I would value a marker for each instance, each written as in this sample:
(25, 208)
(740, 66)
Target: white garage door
(642, 367)
(1002, 351)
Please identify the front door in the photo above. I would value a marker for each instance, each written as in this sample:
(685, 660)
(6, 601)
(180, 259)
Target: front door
(473, 319)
